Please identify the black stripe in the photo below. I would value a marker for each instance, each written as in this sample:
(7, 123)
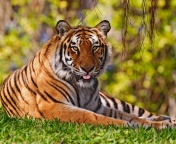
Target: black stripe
(110, 113)
(133, 106)
(69, 36)
(17, 77)
(14, 95)
(77, 94)
(150, 115)
(31, 76)
(58, 89)
(107, 103)
(72, 84)
(126, 107)
(78, 99)
(10, 102)
(32, 65)
(25, 70)
(8, 84)
(131, 120)
(105, 54)
(34, 82)
(141, 112)
(98, 106)
(26, 84)
(5, 106)
(81, 30)
(12, 113)
(39, 111)
(46, 49)
(16, 86)
(121, 115)
(67, 94)
(42, 96)
(51, 97)
(7, 111)
(113, 101)
(15, 82)
(49, 64)
(78, 35)
(39, 58)
(97, 97)
(48, 73)
(115, 114)
(68, 41)
(61, 49)
(65, 47)
(91, 31)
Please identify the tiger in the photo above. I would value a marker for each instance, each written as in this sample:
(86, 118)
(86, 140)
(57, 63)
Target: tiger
(61, 82)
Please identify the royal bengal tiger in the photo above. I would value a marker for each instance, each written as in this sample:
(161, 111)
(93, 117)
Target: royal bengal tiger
(60, 82)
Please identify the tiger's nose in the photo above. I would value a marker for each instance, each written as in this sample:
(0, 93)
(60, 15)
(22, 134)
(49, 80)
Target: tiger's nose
(87, 68)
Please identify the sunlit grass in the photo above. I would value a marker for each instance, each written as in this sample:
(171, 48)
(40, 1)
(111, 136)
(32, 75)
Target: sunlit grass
(40, 131)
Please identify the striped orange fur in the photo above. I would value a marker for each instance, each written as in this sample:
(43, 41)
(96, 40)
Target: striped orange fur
(61, 82)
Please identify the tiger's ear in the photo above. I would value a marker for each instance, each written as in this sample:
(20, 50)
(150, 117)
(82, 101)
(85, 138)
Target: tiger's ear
(104, 26)
(62, 27)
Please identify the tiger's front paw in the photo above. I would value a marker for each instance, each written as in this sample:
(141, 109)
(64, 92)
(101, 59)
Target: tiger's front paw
(162, 125)
(163, 118)
(137, 122)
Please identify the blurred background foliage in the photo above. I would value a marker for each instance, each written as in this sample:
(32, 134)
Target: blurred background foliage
(143, 35)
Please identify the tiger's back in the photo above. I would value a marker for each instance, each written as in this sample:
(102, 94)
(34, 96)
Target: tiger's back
(20, 90)
(61, 82)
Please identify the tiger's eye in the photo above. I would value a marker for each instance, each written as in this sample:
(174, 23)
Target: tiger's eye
(74, 48)
(95, 48)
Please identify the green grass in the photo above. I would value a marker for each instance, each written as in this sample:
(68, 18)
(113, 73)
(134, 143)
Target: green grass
(40, 131)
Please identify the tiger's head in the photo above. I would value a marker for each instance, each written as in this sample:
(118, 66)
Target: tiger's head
(84, 52)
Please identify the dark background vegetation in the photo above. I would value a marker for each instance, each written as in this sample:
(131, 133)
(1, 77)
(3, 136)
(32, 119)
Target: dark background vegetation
(143, 35)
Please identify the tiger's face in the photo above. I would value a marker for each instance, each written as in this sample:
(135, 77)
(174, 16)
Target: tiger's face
(84, 51)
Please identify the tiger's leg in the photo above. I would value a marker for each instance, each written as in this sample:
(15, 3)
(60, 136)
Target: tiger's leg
(131, 109)
(69, 113)
(136, 121)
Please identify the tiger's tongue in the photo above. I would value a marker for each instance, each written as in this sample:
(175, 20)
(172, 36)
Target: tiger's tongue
(86, 77)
